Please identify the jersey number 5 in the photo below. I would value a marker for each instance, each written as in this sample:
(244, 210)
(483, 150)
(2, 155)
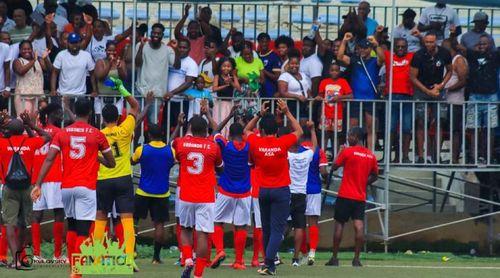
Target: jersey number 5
(198, 161)
(77, 147)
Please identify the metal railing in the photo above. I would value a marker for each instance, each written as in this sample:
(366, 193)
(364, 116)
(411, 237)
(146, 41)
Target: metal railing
(449, 137)
(277, 18)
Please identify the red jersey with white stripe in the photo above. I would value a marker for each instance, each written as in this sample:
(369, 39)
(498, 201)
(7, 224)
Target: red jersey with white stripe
(80, 144)
(198, 157)
(55, 172)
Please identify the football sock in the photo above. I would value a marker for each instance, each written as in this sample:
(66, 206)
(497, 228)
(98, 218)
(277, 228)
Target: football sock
(257, 243)
(70, 244)
(218, 238)
(58, 232)
(187, 252)
(313, 237)
(128, 231)
(199, 266)
(99, 227)
(240, 240)
(3, 243)
(120, 231)
(35, 237)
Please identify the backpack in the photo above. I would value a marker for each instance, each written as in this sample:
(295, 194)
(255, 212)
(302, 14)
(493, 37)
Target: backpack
(18, 177)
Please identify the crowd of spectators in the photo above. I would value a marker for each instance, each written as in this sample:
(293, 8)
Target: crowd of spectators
(67, 50)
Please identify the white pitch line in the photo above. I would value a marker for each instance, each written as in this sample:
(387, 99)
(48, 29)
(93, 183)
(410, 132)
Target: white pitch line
(434, 267)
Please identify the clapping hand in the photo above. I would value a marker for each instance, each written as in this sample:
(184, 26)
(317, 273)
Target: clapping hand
(181, 119)
(348, 36)
(264, 108)
(282, 106)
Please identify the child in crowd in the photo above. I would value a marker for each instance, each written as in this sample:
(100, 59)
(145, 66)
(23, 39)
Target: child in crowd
(196, 95)
(332, 91)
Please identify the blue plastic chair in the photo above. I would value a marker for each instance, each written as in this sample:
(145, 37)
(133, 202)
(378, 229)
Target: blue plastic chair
(141, 14)
(169, 15)
(226, 16)
(107, 13)
(261, 16)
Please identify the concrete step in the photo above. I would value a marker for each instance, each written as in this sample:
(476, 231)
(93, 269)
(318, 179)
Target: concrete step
(423, 208)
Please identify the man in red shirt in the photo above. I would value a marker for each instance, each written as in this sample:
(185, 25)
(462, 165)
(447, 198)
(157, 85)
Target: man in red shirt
(16, 203)
(271, 153)
(51, 118)
(79, 144)
(199, 158)
(360, 170)
(402, 90)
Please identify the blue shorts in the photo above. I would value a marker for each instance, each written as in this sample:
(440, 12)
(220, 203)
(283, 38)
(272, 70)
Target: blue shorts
(483, 110)
(401, 117)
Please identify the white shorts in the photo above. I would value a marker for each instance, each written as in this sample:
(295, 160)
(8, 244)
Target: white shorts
(256, 213)
(51, 197)
(197, 215)
(80, 203)
(176, 204)
(313, 204)
(232, 210)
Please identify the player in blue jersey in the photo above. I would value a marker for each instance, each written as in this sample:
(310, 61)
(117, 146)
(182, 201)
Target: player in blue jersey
(152, 195)
(234, 199)
(317, 169)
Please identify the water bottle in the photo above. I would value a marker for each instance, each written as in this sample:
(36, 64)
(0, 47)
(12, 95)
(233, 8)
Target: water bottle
(314, 28)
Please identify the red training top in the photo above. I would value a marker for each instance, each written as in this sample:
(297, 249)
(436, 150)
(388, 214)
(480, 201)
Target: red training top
(27, 152)
(401, 83)
(55, 172)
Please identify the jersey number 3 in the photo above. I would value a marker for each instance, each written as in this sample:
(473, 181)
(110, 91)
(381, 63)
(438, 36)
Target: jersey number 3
(198, 161)
(77, 147)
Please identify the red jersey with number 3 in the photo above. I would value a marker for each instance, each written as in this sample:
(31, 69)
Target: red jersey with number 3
(80, 144)
(198, 157)
(55, 172)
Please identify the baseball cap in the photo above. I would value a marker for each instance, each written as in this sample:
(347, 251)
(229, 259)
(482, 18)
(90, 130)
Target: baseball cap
(409, 13)
(74, 38)
(363, 43)
(480, 16)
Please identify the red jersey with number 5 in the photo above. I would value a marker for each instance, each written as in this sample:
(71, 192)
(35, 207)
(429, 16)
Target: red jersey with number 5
(198, 157)
(55, 173)
(80, 144)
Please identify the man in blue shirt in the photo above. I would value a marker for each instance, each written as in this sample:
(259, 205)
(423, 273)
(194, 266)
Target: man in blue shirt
(364, 80)
(272, 66)
(370, 23)
(234, 200)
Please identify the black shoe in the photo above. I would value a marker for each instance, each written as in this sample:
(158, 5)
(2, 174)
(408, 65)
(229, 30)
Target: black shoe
(295, 262)
(356, 263)
(186, 273)
(265, 270)
(332, 262)
(420, 160)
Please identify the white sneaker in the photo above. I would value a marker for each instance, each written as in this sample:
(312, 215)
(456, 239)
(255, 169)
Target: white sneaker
(310, 258)
(303, 260)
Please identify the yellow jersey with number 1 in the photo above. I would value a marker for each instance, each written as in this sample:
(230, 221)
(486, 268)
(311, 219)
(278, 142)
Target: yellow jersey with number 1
(119, 138)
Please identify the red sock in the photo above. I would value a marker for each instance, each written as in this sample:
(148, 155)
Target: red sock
(78, 243)
(35, 237)
(23, 249)
(303, 246)
(3, 243)
(313, 236)
(240, 241)
(200, 265)
(187, 252)
(257, 243)
(119, 233)
(70, 245)
(58, 231)
(218, 238)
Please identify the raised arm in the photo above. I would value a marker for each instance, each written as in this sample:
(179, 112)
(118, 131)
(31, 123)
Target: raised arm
(124, 35)
(378, 50)
(25, 117)
(314, 138)
(253, 122)
(297, 129)
(205, 110)
(181, 119)
(89, 30)
(21, 69)
(226, 119)
(342, 49)
(178, 28)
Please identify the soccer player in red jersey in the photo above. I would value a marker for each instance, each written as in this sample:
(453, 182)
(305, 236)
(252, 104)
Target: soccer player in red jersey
(199, 158)
(80, 144)
(360, 170)
(51, 118)
(271, 153)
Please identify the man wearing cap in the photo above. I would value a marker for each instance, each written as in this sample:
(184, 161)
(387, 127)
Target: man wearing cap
(408, 31)
(439, 19)
(360, 170)
(471, 38)
(364, 80)
(71, 66)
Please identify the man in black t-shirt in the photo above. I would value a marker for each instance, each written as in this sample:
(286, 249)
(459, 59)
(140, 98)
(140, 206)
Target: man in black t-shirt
(482, 87)
(204, 18)
(427, 74)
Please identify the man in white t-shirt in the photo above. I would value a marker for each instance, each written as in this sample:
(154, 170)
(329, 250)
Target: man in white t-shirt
(72, 66)
(179, 80)
(153, 60)
(4, 75)
(299, 160)
(311, 65)
(438, 19)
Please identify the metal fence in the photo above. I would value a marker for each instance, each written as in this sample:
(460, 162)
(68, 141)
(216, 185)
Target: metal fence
(438, 134)
(280, 18)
